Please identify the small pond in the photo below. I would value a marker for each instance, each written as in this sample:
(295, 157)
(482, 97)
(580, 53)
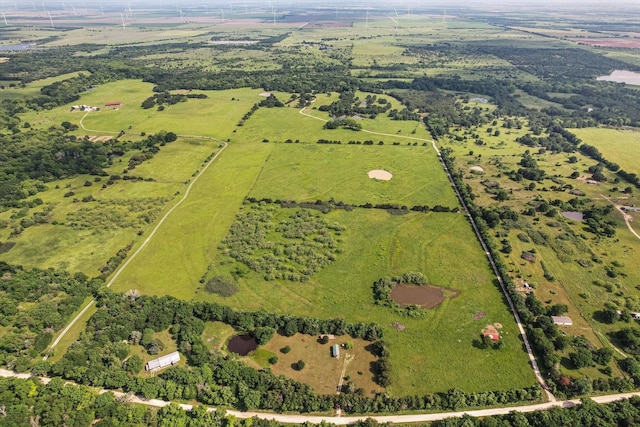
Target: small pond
(622, 76)
(425, 296)
(576, 216)
(242, 344)
(20, 46)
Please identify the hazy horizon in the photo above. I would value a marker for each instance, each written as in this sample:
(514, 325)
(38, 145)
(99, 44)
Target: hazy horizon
(539, 6)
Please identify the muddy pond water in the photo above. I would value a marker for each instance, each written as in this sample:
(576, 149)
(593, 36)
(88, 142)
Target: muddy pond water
(242, 344)
(425, 296)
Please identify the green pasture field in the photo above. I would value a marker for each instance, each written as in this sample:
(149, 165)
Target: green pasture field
(33, 88)
(86, 250)
(531, 101)
(616, 145)
(115, 35)
(309, 172)
(201, 117)
(377, 244)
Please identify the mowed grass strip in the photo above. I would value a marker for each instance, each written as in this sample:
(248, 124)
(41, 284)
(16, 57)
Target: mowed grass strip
(308, 172)
(179, 253)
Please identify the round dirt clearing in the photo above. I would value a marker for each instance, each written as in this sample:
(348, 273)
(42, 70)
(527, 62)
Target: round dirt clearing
(380, 174)
(476, 169)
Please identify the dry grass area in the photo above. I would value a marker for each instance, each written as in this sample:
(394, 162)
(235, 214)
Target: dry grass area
(321, 371)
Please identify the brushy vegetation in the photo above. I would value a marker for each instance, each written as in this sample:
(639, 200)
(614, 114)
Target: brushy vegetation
(223, 286)
(289, 249)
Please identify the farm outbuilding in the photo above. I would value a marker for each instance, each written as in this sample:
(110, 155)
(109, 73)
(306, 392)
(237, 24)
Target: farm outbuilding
(112, 104)
(562, 320)
(161, 362)
(492, 335)
(335, 351)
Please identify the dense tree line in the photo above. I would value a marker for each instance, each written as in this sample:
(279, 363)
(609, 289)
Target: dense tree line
(30, 402)
(588, 413)
(33, 305)
(326, 206)
(97, 359)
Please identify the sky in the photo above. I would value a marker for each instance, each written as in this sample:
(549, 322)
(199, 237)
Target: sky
(609, 6)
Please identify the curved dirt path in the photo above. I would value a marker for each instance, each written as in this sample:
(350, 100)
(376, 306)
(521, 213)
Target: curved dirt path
(94, 130)
(316, 419)
(485, 248)
(627, 218)
(142, 246)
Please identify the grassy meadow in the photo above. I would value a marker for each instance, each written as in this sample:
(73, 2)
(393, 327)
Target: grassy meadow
(257, 162)
(318, 171)
(577, 258)
(616, 145)
(376, 244)
(33, 88)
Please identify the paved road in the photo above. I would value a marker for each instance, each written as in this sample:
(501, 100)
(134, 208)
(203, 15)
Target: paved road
(315, 419)
(142, 246)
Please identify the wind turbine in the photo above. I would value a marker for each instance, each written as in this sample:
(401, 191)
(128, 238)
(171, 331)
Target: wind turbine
(5, 18)
(222, 14)
(444, 17)
(51, 20)
(101, 10)
(129, 7)
(397, 18)
(124, 26)
(366, 22)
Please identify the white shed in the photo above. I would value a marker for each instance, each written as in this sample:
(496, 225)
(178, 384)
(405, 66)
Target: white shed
(562, 320)
(163, 361)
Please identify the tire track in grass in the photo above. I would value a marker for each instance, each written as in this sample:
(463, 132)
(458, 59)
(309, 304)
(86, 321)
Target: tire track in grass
(142, 246)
